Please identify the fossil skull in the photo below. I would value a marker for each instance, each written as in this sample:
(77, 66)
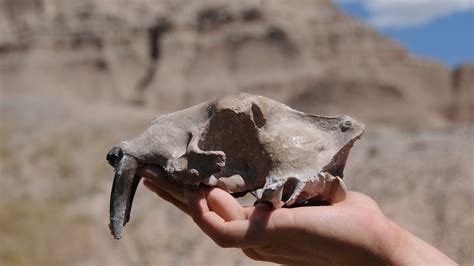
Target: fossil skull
(240, 143)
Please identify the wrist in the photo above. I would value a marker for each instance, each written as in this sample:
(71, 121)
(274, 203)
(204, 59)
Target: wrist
(399, 247)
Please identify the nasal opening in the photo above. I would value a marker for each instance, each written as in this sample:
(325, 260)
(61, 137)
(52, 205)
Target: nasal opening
(114, 156)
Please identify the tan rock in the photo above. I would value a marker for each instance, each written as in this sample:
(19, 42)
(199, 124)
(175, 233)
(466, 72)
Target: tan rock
(462, 106)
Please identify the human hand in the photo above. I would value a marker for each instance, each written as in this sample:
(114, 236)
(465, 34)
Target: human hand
(352, 232)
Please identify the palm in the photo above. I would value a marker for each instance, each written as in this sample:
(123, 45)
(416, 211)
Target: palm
(332, 231)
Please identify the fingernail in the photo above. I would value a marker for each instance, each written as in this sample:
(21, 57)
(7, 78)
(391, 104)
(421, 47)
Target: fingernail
(263, 204)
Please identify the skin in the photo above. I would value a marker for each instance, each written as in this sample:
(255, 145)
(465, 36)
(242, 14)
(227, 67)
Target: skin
(351, 232)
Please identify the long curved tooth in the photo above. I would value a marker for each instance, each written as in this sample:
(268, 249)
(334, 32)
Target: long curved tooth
(123, 190)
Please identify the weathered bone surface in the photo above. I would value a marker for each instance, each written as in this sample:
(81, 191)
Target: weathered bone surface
(240, 143)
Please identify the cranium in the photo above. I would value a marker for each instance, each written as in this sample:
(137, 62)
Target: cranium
(240, 143)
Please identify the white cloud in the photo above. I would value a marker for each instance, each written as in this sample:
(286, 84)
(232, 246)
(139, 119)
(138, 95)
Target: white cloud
(409, 13)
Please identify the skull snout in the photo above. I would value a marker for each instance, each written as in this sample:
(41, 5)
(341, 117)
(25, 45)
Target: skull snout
(114, 156)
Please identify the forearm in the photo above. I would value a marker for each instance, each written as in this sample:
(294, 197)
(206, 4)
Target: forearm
(403, 248)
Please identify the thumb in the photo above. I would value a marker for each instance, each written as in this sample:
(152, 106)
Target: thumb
(225, 233)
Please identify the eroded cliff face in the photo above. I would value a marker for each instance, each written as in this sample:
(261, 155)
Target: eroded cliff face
(462, 106)
(172, 54)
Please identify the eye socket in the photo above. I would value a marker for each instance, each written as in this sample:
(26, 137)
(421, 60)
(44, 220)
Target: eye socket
(258, 117)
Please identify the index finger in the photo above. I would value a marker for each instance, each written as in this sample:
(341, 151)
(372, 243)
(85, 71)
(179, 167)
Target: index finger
(232, 233)
(157, 176)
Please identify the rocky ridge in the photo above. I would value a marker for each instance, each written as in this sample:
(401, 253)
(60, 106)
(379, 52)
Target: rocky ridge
(173, 54)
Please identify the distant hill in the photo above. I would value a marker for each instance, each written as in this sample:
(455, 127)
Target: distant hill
(172, 54)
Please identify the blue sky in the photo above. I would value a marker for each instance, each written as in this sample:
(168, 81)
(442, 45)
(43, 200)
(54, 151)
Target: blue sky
(439, 29)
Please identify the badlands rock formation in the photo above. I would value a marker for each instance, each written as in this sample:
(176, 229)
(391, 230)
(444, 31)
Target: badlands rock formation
(462, 107)
(173, 54)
